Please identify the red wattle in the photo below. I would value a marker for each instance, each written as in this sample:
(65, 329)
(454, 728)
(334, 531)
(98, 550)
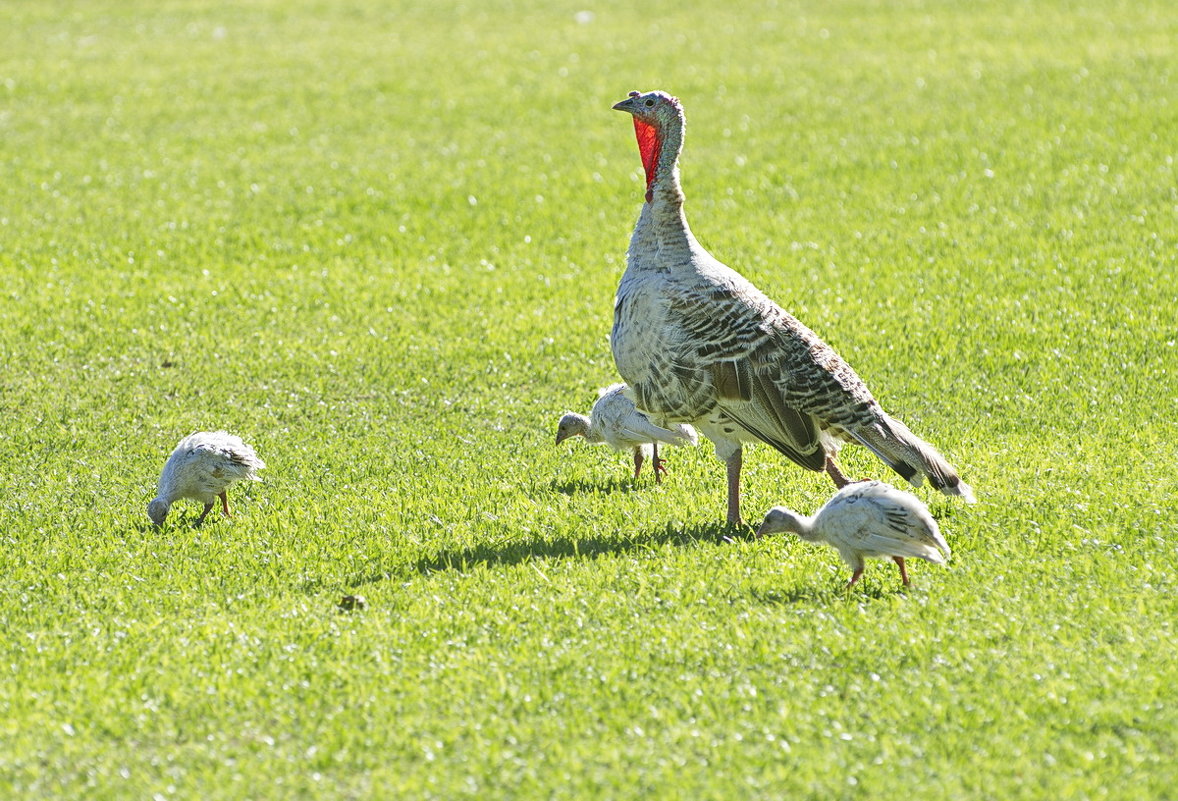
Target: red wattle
(650, 146)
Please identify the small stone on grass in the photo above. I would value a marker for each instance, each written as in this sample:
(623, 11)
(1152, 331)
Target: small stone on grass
(350, 602)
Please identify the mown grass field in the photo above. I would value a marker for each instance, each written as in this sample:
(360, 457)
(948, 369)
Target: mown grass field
(380, 241)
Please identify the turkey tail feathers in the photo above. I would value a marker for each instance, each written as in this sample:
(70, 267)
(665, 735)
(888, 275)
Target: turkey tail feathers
(912, 457)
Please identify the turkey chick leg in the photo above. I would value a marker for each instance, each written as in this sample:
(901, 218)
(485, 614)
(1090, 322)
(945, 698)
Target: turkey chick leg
(204, 514)
(899, 560)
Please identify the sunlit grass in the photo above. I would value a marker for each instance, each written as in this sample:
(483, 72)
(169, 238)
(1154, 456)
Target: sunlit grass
(381, 244)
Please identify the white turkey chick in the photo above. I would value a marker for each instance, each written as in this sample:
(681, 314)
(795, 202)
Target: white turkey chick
(867, 519)
(613, 420)
(202, 467)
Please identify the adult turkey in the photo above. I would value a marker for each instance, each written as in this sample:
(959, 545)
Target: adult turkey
(698, 343)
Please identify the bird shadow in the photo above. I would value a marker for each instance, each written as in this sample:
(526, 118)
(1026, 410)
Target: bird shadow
(819, 591)
(582, 486)
(463, 559)
(181, 521)
(790, 595)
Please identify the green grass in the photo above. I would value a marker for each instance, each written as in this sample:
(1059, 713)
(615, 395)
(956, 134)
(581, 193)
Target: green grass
(381, 244)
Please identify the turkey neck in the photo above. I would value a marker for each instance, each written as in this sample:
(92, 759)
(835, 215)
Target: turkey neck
(664, 205)
(592, 432)
(807, 530)
(804, 528)
(166, 488)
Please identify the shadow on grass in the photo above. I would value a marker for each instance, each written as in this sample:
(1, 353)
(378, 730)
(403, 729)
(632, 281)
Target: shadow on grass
(181, 521)
(819, 590)
(513, 553)
(787, 596)
(462, 560)
(583, 487)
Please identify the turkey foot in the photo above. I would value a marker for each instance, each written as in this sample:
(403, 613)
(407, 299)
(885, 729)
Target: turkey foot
(854, 577)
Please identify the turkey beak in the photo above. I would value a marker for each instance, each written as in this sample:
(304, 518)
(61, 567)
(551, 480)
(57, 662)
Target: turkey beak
(625, 105)
(560, 435)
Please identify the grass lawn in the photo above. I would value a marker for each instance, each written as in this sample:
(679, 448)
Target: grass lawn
(380, 241)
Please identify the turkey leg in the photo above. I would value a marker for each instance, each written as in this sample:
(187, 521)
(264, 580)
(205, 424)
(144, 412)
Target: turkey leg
(204, 514)
(835, 474)
(659, 469)
(734, 463)
(903, 571)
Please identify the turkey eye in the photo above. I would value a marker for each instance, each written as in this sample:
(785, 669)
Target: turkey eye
(649, 102)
